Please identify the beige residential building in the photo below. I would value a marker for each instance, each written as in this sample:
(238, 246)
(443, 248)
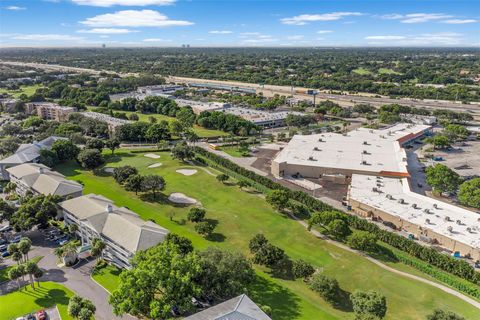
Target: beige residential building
(122, 230)
(49, 111)
(39, 179)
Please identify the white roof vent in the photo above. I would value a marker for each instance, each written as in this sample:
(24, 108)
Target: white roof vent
(435, 206)
(414, 205)
(450, 229)
(459, 222)
(427, 211)
(109, 208)
(401, 201)
(41, 170)
(389, 196)
(447, 218)
(427, 221)
(365, 142)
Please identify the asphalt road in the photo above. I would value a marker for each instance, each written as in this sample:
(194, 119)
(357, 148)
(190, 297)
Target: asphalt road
(76, 278)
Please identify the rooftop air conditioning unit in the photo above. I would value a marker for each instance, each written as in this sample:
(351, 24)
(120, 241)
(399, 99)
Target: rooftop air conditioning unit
(389, 196)
(469, 230)
(315, 149)
(365, 152)
(450, 229)
(365, 142)
(320, 140)
(311, 158)
(459, 222)
(364, 162)
(435, 206)
(447, 218)
(401, 201)
(427, 211)
(374, 189)
(427, 221)
(414, 205)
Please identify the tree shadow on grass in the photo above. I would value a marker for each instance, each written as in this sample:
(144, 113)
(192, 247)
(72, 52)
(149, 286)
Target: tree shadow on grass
(52, 297)
(117, 157)
(162, 199)
(283, 302)
(343, 302)
(383, 254)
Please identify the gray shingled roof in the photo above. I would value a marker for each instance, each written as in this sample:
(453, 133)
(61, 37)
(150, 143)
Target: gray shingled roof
(30, 151)
(42, 180)
(238, 308)
(118, 224)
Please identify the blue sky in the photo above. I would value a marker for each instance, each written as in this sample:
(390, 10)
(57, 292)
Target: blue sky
(167, 23)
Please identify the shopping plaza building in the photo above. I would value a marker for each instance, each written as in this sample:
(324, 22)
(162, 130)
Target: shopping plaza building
(374, 163)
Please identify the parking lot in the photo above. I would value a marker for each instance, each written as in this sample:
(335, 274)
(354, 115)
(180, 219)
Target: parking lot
(463, 158)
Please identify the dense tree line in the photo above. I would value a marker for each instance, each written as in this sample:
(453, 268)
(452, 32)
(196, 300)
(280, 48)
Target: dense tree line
(391, 72)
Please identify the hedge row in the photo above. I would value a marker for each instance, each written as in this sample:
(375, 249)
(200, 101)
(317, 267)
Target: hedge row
(444, 262)
(458, 284)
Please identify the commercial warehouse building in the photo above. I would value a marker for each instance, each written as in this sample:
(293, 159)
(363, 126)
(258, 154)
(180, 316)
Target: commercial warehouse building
(39, 179)
(361, 151)
(123, 231)
(427, 219)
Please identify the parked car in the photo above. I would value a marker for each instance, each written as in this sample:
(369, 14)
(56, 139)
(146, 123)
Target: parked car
(6, 228)
(3, 247)
(41, 315)
(16, 239)
(61, 243)
(5, 254)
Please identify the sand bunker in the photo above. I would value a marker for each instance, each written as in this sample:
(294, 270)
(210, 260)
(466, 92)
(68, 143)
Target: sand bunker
(178, 197)
(187, 172)
(108, 170)
(152, 155)
(155, 165)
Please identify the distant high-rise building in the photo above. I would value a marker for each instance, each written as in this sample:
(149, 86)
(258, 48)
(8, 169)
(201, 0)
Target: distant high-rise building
(183, 46)
(188, 46)
(103, 45)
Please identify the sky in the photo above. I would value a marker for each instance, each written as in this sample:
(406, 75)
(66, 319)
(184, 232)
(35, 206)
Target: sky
(233, 23)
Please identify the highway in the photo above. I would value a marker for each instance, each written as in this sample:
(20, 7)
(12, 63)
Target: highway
(344, 99)
(270, 90)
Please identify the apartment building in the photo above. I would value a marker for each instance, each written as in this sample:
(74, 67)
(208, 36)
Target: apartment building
(49, 111)
(122, 230)
(39, 179)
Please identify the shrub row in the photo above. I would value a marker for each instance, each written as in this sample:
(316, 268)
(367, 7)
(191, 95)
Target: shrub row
(444, 262)
(460, 285)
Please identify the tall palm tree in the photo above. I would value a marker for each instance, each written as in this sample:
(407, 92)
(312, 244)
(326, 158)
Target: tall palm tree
(14, 274)
(30, 268)
(97, 248)
(24, 247)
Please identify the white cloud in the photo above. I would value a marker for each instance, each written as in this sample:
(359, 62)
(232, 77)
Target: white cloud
(104, 36)
(256, 38)
(303, 19)
(14, 8)
(134, 18)
(107, 31)
(156, 40)
(416, 17)
(459, 21)
(424, 39)
(384, 37)
(324, 31)
(295, 38)
(220, 32)
(110, 3)
(47, 37)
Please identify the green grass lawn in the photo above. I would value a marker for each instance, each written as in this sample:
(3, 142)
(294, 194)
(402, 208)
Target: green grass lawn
(28, 90)
(27, 300)
(361, 71)
(387, 71)
(240, 215)
(232, 150)
(202, 132)
(4, 271)
(108, 277)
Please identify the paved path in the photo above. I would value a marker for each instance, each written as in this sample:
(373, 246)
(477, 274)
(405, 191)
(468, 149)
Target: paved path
(76, 278)
(385, 267)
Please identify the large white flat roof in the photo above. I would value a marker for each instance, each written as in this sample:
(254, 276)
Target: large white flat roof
(359, 150)
(440, 219)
